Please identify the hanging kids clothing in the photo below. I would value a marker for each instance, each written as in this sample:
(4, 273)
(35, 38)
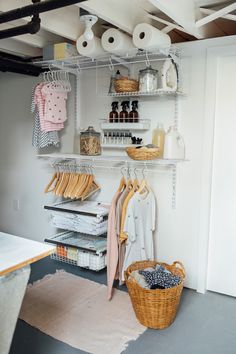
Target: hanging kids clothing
(49, 107)
(131, 223)
(139, 226)
(41, 139)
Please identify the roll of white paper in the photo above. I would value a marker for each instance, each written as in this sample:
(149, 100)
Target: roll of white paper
(148, 38)
(117, 42)
(90, 48)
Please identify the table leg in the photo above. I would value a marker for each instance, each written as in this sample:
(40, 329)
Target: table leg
(12, 291)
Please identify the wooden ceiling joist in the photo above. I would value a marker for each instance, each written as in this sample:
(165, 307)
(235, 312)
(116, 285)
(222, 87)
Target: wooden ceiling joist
(213, 16)
(19, 48)
(185, 18)
(168, 23)
(228, 16)
(122, 14)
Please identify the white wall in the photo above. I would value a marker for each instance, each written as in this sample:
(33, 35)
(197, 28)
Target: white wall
(22, 175)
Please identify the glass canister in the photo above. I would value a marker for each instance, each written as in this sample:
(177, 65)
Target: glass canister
(90, 142)
(148, 80)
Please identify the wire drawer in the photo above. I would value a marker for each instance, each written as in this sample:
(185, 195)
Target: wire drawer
(84, 260)
(81, 250)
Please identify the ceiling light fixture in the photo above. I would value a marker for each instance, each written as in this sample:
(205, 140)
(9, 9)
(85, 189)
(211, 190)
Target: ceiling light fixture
(89, 21)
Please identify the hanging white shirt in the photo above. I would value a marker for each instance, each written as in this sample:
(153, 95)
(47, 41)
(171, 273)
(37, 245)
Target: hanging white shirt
(139, 225)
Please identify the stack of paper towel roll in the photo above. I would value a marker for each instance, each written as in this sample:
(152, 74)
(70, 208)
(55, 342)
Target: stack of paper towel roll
(114, 41)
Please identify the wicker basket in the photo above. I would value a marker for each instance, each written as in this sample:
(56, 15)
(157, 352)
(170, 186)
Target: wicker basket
(155, 308)
(126, 85)
(143, 153)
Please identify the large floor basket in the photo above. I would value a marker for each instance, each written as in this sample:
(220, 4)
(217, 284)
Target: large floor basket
(155, 308)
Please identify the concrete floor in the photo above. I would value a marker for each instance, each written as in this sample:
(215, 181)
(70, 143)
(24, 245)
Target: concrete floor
(205, 324)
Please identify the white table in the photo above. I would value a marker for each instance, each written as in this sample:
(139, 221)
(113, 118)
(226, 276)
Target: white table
(16, 255)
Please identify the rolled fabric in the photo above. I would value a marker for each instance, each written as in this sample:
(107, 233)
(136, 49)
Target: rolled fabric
(147, 37)
(90, 48)
(117, 42)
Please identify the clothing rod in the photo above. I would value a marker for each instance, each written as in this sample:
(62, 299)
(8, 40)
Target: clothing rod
(120, 168)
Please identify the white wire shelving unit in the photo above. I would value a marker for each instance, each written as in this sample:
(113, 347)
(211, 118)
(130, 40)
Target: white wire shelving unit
(132, 61)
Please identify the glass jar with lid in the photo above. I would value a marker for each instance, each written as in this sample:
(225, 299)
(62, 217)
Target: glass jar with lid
(90, 142)
(148, 79)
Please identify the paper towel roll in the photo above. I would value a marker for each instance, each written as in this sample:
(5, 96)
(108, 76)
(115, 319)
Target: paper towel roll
(148, 37)
(90, 48)
(117, 42)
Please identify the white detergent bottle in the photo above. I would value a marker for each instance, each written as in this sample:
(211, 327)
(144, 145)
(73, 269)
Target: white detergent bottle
(174, 147)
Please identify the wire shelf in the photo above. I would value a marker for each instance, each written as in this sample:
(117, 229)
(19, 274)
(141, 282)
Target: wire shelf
(80, 241)
(109, 160)
(142, 124)
(158, 92)
(77, 63)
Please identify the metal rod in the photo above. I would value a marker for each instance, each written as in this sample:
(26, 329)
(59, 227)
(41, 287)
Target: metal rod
(68, 165)
(35, 9)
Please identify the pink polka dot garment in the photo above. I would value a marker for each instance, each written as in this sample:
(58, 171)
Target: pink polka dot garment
(55, 104)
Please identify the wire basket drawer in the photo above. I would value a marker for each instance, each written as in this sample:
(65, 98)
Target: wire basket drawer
(81, 250)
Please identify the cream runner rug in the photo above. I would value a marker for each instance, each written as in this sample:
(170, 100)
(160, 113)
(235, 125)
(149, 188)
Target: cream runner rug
(76, 311)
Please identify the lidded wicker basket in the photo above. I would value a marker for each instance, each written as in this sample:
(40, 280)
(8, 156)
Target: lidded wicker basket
(143, 153)
(155, 308)
(126, 85)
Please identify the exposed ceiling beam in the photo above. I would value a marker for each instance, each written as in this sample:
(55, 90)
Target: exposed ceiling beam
(167, 29)
(182, 12)
(168, 23)
(122, 14)
(63, 22)
(38, 40)
(204, 3)
(19, 48)
(209, 12)
(224, 11)
(187, 17)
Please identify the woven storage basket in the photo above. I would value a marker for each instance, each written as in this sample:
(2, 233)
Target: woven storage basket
(126, 85)
(143, 153)
(155, 308)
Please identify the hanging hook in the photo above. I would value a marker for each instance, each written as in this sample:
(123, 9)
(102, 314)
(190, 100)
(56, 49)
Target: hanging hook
(147, 60)
(78, 66)
(135, 173)
(122, 171)
(111, 65)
